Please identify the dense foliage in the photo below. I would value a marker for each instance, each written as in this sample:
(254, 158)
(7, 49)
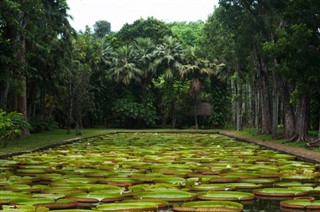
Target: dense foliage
(11, 125)
(256, 62)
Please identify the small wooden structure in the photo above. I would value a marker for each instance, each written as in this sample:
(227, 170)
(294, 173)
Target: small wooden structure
(202, 109)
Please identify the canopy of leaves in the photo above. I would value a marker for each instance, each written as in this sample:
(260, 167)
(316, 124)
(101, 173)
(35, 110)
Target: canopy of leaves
(149, 28)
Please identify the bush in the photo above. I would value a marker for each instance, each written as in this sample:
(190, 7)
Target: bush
(127, 109)
(11, 125)
(41, 123)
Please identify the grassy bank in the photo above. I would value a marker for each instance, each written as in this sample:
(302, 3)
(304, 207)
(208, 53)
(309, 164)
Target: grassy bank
(39, 140)
(252, 133)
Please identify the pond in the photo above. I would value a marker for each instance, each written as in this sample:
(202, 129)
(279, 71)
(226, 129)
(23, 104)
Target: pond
(158, 172)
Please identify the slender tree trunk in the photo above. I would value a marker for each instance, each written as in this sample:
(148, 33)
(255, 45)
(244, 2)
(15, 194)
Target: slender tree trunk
(70, 110)
(21, 58)
(78, 128)
(238, 107)
(234, 104)
(257, 113)
(22, 106)
(275, 108)
(302, 118)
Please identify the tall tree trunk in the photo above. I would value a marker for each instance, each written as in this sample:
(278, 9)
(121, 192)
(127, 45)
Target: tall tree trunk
(70, 110)
(238, 107)
(22, 106)
(257, 113)
(289, 115)
(275, 108)
(302, 121)
(21, 58)
(262, 73)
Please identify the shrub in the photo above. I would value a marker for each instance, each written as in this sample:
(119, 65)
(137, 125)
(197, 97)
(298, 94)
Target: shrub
(42, 123)
(11, 125)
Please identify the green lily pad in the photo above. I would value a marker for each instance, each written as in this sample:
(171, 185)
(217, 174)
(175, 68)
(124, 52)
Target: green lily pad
(71, 210)
(170, 196)
(292, 184)
(226, 195)
(218, 206)
(279, 192)
(96, 197)
(224, 179)
(212, 187)
(301, 178)
(23, 208)
(30, 201)
(246, 185)
(8, 195)
(160, 203)
(301, 204)
(258, 180)
(138, 206)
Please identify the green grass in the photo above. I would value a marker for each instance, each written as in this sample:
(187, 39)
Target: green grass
(252, 133)
(39, 140)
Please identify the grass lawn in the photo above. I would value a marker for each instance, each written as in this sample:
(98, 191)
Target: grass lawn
(39, 140)
(252, 133)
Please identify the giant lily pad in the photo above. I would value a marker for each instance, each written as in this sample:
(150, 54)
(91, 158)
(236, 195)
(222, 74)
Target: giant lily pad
(226, 195)
(218, 206)
(170, 196)
(136, 207)
(279, 192)
(212, 187)
(95, 197)
(301, 204)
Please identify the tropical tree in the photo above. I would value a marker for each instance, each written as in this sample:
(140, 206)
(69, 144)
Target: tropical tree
(169, 57)
(102, 28)
(125, 69)
(188, 32)
(144, 55)
(142, 28)
(195, 69)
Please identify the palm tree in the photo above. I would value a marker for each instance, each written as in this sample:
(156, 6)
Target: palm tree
(145, 48)
(169, 54)
(169, 57)
(125, 69)
(195, 69)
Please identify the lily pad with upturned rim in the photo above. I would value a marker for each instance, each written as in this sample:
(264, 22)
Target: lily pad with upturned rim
(212, 187)
(170, 196)
(301, 204)
(128, 207)
(279, 192)
(212, 206)
(226, 196)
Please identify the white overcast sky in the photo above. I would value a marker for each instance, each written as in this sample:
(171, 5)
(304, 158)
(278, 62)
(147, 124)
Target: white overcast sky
(119, 12)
